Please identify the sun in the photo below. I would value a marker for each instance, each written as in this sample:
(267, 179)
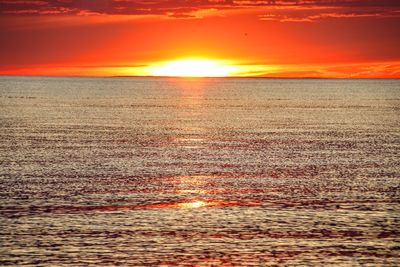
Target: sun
(192, 68)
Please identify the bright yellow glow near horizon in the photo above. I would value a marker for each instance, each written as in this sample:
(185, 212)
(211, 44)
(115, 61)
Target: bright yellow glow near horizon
(193, 68)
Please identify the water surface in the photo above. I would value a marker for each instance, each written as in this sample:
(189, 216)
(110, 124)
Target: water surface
(199, 172)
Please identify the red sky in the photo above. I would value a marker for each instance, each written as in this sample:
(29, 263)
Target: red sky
(304, 38)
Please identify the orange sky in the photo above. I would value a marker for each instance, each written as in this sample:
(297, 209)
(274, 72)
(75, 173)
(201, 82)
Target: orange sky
(313, 38)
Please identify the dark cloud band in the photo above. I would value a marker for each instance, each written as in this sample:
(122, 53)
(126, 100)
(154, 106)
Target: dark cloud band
(179, 8)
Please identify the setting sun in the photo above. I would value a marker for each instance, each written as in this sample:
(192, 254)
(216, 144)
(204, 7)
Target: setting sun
(193, 68)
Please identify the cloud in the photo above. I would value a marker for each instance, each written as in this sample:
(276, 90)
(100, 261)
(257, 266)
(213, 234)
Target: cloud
(337, 14)
(173, 8)
(371, 70)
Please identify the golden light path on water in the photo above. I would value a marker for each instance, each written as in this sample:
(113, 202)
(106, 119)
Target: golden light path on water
(194, 204)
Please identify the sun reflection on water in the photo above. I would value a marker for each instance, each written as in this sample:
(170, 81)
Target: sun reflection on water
(193, 204)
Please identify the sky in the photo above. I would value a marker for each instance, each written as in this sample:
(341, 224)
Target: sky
(286, 38)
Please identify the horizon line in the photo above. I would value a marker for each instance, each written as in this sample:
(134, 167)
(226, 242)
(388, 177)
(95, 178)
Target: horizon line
(198, 77)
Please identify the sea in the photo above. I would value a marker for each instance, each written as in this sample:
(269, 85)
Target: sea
(127, 171)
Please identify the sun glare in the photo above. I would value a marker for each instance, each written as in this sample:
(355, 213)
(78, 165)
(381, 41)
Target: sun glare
(193, 68)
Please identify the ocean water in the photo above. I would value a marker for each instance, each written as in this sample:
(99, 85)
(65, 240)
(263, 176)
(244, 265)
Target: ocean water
(199, 172)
